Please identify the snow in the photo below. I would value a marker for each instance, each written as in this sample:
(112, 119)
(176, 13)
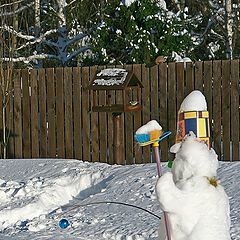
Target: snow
(110, 76)
(195, 101)
(148, 127)
(23, 182)
(204, 211)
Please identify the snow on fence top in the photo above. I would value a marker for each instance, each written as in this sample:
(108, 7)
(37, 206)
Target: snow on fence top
(110, 77)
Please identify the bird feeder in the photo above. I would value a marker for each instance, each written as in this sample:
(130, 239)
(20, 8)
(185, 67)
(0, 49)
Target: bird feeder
(112, 82)
(116, 90)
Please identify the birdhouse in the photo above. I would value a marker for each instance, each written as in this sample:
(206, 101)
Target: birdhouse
(115, 90)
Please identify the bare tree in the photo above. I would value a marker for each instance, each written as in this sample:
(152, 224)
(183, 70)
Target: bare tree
(6, 91)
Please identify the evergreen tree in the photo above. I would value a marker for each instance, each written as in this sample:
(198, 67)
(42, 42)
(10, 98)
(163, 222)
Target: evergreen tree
(138, 33)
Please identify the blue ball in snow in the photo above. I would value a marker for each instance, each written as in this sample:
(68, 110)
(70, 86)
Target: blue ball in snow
(64, 223)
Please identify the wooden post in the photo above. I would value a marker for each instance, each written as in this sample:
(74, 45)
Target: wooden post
(117, 139)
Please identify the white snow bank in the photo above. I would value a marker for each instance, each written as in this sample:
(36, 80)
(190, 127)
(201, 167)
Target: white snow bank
(39, 196)
(129, 184)
(195, 101)
(148, 127)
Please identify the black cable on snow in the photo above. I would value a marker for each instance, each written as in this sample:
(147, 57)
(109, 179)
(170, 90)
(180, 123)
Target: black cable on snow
(111, 202)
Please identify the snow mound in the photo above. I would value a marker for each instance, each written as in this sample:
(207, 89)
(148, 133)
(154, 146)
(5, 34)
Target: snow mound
(39, 196)
(148, 127)
(195, 101)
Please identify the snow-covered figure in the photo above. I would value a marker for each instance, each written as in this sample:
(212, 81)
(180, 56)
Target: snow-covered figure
(197, 205)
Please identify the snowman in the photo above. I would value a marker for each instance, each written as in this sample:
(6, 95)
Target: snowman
(195, 202)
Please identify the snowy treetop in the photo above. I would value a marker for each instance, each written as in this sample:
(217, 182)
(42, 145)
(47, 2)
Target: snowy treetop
(110, 77)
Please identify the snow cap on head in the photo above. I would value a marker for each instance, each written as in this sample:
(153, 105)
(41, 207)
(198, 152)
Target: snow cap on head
(195, 101)
(148, 127)
(193, 158)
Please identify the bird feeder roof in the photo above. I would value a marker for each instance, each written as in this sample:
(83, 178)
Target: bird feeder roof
(114, 79)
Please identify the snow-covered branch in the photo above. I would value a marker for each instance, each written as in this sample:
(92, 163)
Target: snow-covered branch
(77, 52)
(39, 39)
(17, 34)
(30, 58)
(4, 14)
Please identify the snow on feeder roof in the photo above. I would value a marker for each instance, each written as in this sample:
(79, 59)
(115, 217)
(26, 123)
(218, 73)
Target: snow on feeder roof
(114, 78)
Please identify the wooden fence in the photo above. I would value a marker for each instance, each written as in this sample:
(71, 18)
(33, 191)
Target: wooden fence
(49, 114)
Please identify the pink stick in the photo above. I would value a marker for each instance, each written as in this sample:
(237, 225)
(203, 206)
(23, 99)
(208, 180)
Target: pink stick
(159, 170)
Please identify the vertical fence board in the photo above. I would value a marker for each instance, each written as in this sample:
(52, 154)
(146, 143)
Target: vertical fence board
(137, 70)
(60, 113)
(172, 102)
(163, 106)
(189, 77)
(146, 108)
(77, 112)
(199, 76)
(26, 114)
(51, 112)
(154, 93)
(9, 120)
(216, 138)
(128, 128)
(42, 111)
(18, 115)
(68, 112)
(85, 114)
(207, 80)
(95, 143)
(34, 113)
(102, 128)
(235, 109)
(180, 84)
(226, 108)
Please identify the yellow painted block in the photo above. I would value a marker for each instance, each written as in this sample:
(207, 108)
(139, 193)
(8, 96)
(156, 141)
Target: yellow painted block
(201, 127)
(205, 114)
(188, 115)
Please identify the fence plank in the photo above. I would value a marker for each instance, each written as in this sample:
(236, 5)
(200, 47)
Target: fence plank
(26, 114)
(235, 109)
(18, 115)
(95, 143)
(163, 106)
(128, 128)
(137, 69)
(68, 112)
(154, 93)
(207, 79)
(217, 107)
(51, 112)
(199, 76)
(102, 127)
(60, 113)
(9, 120)
(189, 77)
(146, 108)
(42, 111)
(34, 113)
(172, 102)
(77, 112)
(226, 108)
(85, 114)
(180, 84)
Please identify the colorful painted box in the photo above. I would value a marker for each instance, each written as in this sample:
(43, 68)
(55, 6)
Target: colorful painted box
(195, 121)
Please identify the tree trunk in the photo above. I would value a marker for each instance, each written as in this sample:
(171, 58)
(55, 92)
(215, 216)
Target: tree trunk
(229, 29)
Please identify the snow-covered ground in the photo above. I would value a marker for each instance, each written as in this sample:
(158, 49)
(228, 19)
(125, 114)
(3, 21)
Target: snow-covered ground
(36, 194)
